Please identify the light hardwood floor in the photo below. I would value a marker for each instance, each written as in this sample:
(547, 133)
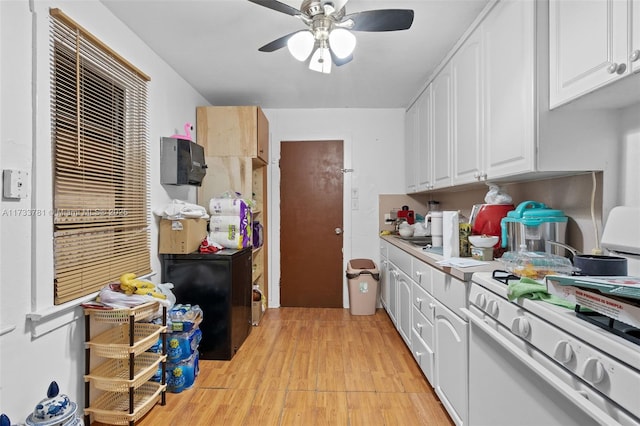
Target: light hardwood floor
(305, 366)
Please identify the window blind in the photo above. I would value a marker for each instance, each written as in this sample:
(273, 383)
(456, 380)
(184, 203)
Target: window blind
(100, 163)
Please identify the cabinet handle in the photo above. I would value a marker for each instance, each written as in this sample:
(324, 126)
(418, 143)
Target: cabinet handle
(484, 176)
(635, 55)
(614, 68)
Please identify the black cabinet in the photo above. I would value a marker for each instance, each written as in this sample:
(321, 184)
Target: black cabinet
(220, 284)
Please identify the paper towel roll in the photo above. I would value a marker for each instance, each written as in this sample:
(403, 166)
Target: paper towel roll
(228, 206)
(223, 223)
(450, 234)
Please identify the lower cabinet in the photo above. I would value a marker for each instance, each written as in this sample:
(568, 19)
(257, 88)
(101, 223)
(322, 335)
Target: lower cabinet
(451, 372)
(403, 316)
(424, 304)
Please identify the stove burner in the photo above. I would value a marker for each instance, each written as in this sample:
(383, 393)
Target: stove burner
(503, 276)
(623, 330)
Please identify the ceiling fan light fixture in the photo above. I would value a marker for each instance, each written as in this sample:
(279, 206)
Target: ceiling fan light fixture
(321, 60)
(301, 44)
(342, 42)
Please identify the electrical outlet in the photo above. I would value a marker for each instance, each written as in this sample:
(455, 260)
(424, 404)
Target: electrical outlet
(355, 193)
(354, 204)
(15, 184)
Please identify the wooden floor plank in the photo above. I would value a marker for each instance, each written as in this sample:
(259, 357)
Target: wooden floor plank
(305, 366)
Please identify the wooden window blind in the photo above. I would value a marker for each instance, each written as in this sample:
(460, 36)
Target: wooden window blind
(100, 163)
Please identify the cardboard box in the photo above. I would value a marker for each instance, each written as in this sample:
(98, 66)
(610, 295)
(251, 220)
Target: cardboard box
(181, 236)
(618, 308)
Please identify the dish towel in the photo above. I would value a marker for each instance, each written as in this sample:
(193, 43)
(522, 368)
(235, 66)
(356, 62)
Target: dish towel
(532, 289)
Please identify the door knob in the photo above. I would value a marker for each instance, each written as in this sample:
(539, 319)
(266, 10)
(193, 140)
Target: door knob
(338, 231)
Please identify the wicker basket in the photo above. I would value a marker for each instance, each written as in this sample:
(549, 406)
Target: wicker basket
(113, 407)
(113, 375)
(114, 343)
(121, 316)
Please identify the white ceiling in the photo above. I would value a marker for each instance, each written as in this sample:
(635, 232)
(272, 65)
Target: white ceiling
(213, 44)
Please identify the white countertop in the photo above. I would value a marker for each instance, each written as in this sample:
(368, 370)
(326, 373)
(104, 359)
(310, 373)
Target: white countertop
(463, 274)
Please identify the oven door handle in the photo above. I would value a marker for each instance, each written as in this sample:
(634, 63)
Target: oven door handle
(588, 407)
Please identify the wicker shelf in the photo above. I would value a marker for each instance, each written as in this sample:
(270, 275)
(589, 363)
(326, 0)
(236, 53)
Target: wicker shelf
(124, 375)
(113, 407)
(113, 374)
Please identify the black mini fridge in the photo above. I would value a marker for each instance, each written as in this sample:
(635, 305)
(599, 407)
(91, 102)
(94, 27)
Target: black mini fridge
(220, 284)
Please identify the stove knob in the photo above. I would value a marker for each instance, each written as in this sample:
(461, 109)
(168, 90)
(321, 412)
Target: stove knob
(593, 370)
(481, 301)
(563, 352)
(520, 327)
(492, 308)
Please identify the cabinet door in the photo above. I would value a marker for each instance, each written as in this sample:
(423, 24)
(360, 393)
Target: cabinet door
(634, 48)
(403, 317)
(441, 88)
(588, 46)
(425, 141)
(451, 373)
(384, 283)
(392, 307)
(467, 107)
(509, 46)
(410, 136)
(262, 151)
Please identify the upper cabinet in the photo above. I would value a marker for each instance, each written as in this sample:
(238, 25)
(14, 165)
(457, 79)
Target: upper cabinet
(489, 118)
(508, 38)
(424, 150)
(232, 131)
(468, 140)
(592, 43)
(442, 128)
(411, 143)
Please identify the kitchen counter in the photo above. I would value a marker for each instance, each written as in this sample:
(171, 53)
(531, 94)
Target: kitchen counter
(463, 274)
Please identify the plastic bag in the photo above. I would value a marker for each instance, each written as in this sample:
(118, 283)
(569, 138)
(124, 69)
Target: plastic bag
(496, 196)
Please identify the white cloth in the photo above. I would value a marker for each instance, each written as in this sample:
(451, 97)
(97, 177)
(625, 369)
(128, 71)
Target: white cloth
(179, 209)
(450, 234)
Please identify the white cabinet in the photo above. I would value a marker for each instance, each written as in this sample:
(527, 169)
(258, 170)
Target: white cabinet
(425, 141)
(508, 39)
(441, 93)
(403, 316)
(590, 47)
(466, 72)
(411, 145)
(451, 371)
(392, 306)
(634, 49)
(384, 274)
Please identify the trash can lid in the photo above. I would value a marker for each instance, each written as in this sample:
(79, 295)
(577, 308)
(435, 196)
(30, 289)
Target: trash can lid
(362, 264)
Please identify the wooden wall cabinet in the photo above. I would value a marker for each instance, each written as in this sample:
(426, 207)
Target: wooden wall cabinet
(234, 131)
(236, 147)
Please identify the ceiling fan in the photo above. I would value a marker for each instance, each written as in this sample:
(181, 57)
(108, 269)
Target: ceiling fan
(329, 34)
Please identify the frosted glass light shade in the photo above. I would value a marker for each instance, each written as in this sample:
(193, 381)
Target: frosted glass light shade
(321, 60)
(342, 42)
(301, 44)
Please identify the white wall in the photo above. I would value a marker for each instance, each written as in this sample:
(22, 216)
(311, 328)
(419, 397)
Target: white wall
(373, 148)
(26, 271)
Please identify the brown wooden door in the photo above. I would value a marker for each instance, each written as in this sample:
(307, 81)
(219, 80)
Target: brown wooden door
(311, 190)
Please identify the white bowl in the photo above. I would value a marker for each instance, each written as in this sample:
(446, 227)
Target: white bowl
(405, 231)
(483, 241)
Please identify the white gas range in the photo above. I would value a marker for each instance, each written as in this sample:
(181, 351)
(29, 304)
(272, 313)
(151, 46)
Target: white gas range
(534, 363)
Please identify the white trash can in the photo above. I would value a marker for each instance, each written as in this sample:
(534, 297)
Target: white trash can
(363, 277)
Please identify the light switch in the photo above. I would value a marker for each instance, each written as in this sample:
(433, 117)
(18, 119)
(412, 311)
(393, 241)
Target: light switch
(15, 184)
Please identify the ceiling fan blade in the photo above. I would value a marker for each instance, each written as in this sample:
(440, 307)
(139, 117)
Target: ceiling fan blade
(278, 43)
(340, 61)
(278, 6)
(381, 20)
